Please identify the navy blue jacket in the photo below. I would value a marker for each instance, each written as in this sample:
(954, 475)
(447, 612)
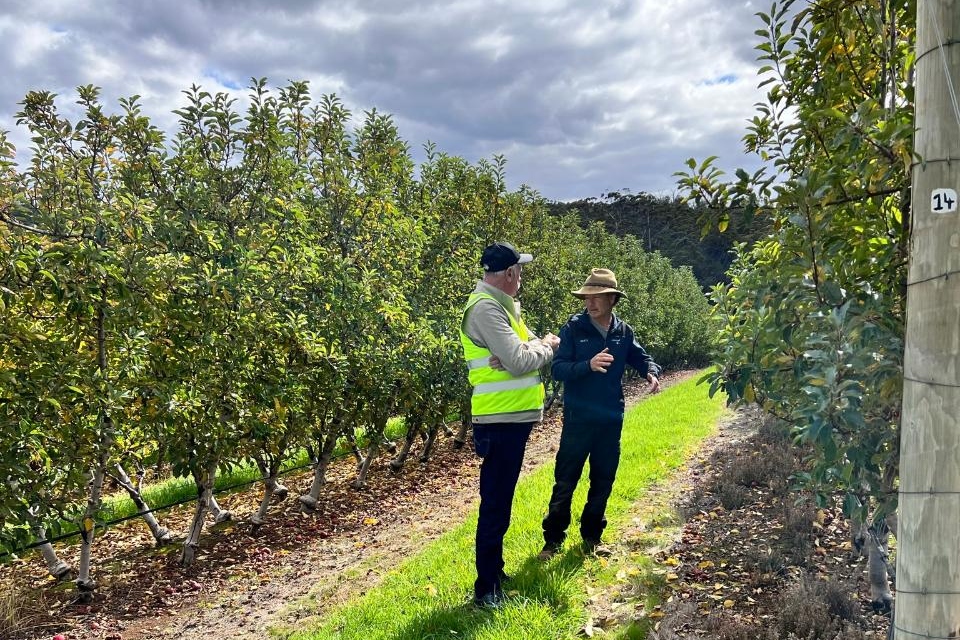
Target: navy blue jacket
(589, 396)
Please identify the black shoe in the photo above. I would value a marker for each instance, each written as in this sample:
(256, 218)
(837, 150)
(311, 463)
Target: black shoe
(549, 550)
(595, 547)
(491, 600)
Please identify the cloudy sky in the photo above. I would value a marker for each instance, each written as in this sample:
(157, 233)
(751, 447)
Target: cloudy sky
(583, 97)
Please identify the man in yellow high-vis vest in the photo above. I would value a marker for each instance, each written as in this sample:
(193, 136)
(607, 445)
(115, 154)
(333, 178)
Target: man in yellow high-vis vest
(504, 360)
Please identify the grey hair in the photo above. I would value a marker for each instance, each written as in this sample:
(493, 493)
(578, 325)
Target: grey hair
(501, 272)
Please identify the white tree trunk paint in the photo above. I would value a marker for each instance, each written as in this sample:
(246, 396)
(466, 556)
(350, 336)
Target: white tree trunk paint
(204, 500)
(309, 501)
(57, 567)
(161, 535)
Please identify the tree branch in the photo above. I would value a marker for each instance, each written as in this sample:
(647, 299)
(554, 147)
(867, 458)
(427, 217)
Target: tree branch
(43, 232)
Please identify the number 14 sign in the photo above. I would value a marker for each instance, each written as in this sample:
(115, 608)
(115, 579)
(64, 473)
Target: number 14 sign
(943, 201)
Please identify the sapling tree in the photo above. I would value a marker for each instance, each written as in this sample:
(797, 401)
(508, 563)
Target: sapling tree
(221, 204)
(87, 227)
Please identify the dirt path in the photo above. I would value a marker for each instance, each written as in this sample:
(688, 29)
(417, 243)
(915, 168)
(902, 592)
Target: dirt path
(295, 566)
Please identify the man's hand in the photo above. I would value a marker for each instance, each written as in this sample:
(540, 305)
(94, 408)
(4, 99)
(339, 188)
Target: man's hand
(601, 361)
(654, 383)
(551, 341)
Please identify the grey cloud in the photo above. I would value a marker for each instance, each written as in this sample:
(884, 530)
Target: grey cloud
(581, 97)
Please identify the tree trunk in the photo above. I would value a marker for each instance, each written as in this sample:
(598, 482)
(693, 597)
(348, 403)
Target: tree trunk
(308, 501)
(430, 440)
(161, 535)
(271, 488)
(354, 449)
(219, 515)
(57, 567)
(204, 499)
(873, 541)
(373, 448)
(928, 564)
(877, 542)
(465, 420)
(88, 529)
(413, 428)
(85, 584)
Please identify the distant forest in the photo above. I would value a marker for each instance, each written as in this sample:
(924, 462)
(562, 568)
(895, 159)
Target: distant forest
(668, 225)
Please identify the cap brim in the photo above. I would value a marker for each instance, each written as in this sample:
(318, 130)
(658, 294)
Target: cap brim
(525, 258)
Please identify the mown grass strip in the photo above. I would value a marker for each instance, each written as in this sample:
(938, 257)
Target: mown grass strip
(429, 596)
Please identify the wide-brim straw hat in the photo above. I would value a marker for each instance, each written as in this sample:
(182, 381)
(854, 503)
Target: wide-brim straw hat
(599, 281)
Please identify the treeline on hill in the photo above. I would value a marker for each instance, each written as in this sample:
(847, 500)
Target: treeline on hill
(262, 283)
(672, 226)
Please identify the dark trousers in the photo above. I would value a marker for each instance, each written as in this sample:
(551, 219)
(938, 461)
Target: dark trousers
(501, 446)
(601, 444)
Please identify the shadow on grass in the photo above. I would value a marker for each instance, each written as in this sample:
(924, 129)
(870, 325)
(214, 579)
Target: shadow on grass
(537, 591)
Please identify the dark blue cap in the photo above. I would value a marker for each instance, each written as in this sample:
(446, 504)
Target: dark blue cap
(501, 255)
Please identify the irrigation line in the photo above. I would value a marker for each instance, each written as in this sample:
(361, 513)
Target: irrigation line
(138, 514)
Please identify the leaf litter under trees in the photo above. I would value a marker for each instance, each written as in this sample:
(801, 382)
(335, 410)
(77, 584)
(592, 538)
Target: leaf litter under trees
(753, 559)
(727, 570)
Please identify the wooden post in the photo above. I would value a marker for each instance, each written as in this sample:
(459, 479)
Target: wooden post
(928, 536)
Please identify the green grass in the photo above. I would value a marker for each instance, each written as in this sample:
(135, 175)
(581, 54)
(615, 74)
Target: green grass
(429, 595)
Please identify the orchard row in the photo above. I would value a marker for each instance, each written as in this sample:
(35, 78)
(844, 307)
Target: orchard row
(258, 283)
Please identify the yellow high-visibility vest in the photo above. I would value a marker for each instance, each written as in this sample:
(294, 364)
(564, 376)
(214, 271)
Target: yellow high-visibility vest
(497, 391)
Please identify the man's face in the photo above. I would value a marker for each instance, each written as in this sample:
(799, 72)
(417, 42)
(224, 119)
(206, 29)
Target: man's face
(600, 305)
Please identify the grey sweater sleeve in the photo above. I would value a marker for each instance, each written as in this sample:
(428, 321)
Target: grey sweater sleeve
(488, 326)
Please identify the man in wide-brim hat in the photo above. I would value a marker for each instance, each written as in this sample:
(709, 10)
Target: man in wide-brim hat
(595, 348)
(599, 281)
